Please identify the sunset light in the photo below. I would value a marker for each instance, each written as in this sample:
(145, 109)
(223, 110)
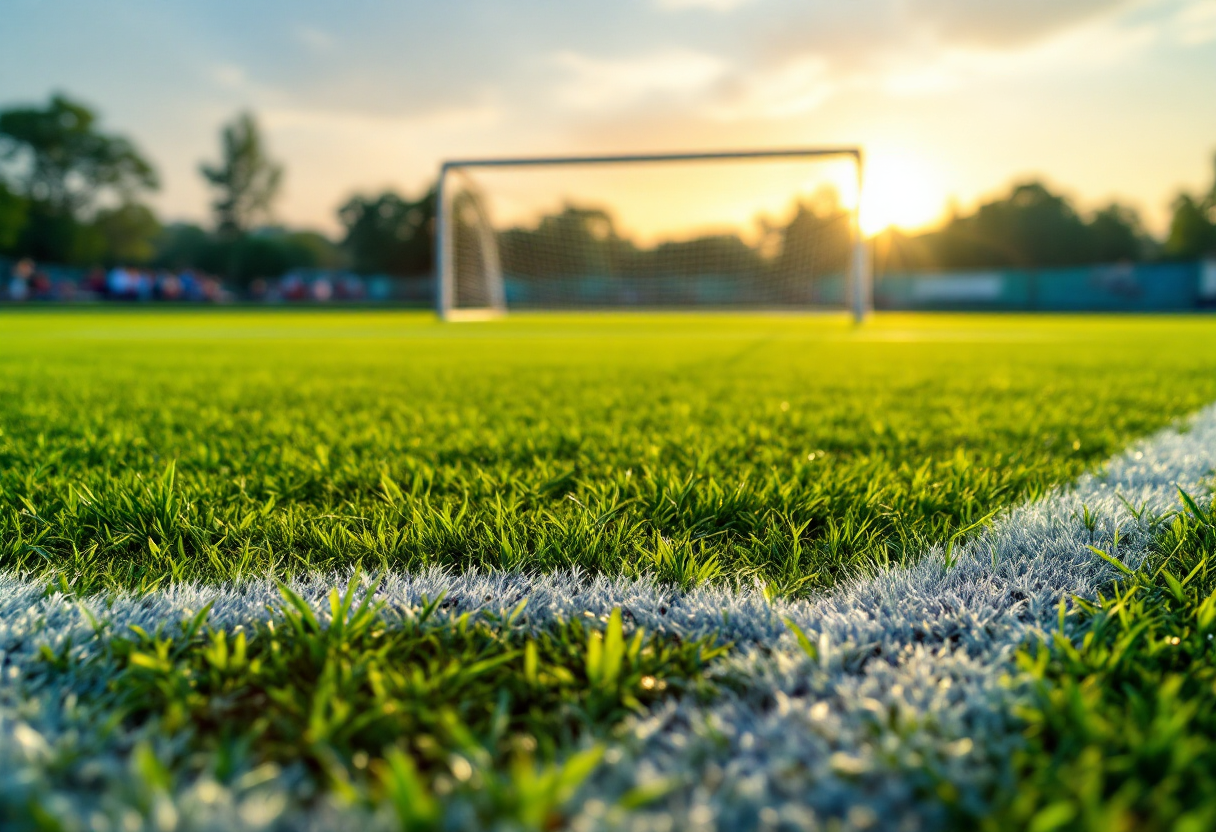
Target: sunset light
(898, 191)
(730, 415)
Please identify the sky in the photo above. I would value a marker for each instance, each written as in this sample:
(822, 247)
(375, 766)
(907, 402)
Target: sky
(951, 100)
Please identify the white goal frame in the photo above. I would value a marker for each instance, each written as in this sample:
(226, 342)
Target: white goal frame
(859, 279)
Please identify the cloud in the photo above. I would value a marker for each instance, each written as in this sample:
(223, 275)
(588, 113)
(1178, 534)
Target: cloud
(1001, 23)
(711, 5)
(1196, 23)
(228, 76)
(909, 48)
(868, 34)
(454, 118)
(314, 39)
(598, 83)
(1095, 45)
(696, 82)
(792, 89)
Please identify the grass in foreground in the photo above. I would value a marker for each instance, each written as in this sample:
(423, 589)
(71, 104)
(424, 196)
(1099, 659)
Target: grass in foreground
(388, 706)
(142, 448)
(137, 448)
(1120, 731)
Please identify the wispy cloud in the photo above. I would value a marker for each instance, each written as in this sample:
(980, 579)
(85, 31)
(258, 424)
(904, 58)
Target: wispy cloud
(229, 76)
(792, 89)
(453, 118)
(1195, 23)
(598, 83)
(1095, 44)
(1000, 23)
(314, 39)
(712, 5)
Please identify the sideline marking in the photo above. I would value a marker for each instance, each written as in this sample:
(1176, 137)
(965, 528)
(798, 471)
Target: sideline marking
(908, 673)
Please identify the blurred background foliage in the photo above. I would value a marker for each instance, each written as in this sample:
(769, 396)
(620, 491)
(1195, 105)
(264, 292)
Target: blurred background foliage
(72, 193)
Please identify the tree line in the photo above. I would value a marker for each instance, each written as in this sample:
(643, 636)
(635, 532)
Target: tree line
(1032, 227)
(73, 193)
(586, 242)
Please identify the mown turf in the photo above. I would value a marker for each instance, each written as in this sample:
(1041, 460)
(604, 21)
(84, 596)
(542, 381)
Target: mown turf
(385, 705)
(141, 447)
(1120, 729)
(138, 448)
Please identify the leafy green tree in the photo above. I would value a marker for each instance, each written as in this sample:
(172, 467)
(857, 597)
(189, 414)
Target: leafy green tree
(14, 214)
(1193, 227)
(819, 233)
(247, 179)
(389, 234)
(271, 252)
(1030, 228)
(56, 237)
(318, 250)
(181, 246)
(1115, 234)
(574, 242)
(1192, 232)
(130, 232)
(58, 157)
(266, 253)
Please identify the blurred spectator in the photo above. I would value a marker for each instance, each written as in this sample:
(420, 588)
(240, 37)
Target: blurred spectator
(95, 282)
(322, 290)
(27, 281)
(349, 287)
(168, 286)
(41, 287)
(190, 286)
(144, 285)
(293, 287)
(19, 285)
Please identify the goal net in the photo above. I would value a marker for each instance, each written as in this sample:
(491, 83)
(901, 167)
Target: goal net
(761, 230)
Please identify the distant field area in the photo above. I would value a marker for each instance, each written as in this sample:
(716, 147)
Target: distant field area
(143, 447)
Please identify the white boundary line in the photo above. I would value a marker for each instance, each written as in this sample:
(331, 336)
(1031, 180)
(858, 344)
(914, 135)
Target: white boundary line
(908, 683)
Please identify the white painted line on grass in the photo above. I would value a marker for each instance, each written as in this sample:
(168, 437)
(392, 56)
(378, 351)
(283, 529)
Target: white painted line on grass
(905, 695)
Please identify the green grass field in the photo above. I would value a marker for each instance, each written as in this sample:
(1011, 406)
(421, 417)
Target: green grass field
(140, 449)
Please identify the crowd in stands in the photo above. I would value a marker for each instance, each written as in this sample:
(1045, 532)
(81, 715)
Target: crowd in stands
(28, 281)
(143, 284)
(25, 282)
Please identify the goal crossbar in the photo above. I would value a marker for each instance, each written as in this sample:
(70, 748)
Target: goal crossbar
(859, 278)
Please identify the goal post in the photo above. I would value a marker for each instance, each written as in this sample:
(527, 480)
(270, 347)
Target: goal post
(765, 229)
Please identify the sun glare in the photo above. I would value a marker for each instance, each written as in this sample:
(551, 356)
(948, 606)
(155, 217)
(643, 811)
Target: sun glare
(898, 191)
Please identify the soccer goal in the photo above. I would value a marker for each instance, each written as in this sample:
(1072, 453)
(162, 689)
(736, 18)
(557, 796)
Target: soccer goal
(774, 229)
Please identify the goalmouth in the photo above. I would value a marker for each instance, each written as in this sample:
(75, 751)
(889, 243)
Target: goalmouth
(744, 230)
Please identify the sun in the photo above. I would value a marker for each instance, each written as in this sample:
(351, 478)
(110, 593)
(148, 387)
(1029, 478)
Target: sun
(898, 191)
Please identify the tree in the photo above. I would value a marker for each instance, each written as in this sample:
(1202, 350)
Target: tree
(1030, 228)
(574, 242)
(1193, 227)
(181, 246)
(59, 238)
(267, 253)
(14, 214)
(1192, 232)
(389, 234)
(246, 178)
(60, 159)
(1115, 234)
(130, 232)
